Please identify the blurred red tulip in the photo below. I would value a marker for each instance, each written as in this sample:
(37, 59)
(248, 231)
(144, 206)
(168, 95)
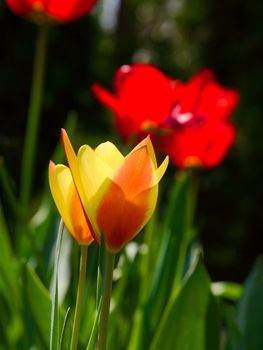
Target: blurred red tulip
(190, 118)
(201, 133)
(57, 10)
(201, 145)
(143, 99)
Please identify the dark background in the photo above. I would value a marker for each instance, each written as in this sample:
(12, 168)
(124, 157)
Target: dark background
(179, 37)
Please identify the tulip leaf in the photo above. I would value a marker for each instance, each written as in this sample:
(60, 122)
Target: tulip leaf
(233, 332)
(172, 232)
(54, 328)
(250, 311)
(213, 324)
(65, 332)
(11, 323)
(39, 303)
(8, 266)
(184, 325)
(93, 336)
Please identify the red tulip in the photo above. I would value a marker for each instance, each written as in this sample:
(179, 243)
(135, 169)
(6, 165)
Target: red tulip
(58, 10)
(201, 133)
(142, 101)
(190, 118)
(201, 145)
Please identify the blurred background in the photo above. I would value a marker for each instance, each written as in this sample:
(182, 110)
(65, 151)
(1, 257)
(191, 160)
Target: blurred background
(179, 37)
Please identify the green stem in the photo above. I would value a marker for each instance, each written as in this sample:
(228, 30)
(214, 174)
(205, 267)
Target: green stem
(80, 293)
(7, 188)
(187, 236)
(33, 120)
(147, 260)
(105, 304)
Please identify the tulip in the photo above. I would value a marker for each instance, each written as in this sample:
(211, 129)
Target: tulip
(202, 134)
(118, 193)
(68, 203)
(190, 119)
(142, 100)
(54, 10)
(201, 146)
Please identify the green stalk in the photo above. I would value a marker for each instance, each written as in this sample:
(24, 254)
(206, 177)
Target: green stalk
(105, 303)
(189, 215)
(33, 120)
(80, 293)
(7, 188)
(187, 236)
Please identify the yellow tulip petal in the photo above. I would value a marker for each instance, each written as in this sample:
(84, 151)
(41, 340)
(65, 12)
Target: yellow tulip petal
(93, 170)
(60, 185)
(136, 174)
(110, 154)
(71, 158)
(68, 203)
(162, 168)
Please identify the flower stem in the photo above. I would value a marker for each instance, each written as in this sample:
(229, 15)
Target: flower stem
(106, 296)
(33, 120)
(187, 236)
(80, 292)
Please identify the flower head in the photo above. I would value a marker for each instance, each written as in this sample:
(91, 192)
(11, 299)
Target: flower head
(68, 203)
(118, 193)
(201, 133)
(142, 101)
(55, 10)
(191, 119)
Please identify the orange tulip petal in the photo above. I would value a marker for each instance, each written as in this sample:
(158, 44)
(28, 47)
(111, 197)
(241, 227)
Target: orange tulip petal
(79, 221)
(136, 174)
(120, 219)
(147, 142)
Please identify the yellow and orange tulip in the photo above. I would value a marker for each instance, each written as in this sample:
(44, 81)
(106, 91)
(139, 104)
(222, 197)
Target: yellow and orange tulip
(118, 193)
(68, 203)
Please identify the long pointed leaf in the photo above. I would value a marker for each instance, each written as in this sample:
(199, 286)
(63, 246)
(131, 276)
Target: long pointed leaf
(184, 325)
(54, 327)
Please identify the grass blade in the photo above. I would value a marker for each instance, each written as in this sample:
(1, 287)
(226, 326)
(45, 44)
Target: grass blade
(54, 327)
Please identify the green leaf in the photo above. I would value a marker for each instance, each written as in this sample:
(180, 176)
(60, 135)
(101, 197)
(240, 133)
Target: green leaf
(39, 304)
(172, 232)
(54, 327)
(93, 336)
(10, 292)
(8, 263)
(213, 325)
(232, 333)
(38, 301)
(250, 310)
(65, 332)
(183, 326)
